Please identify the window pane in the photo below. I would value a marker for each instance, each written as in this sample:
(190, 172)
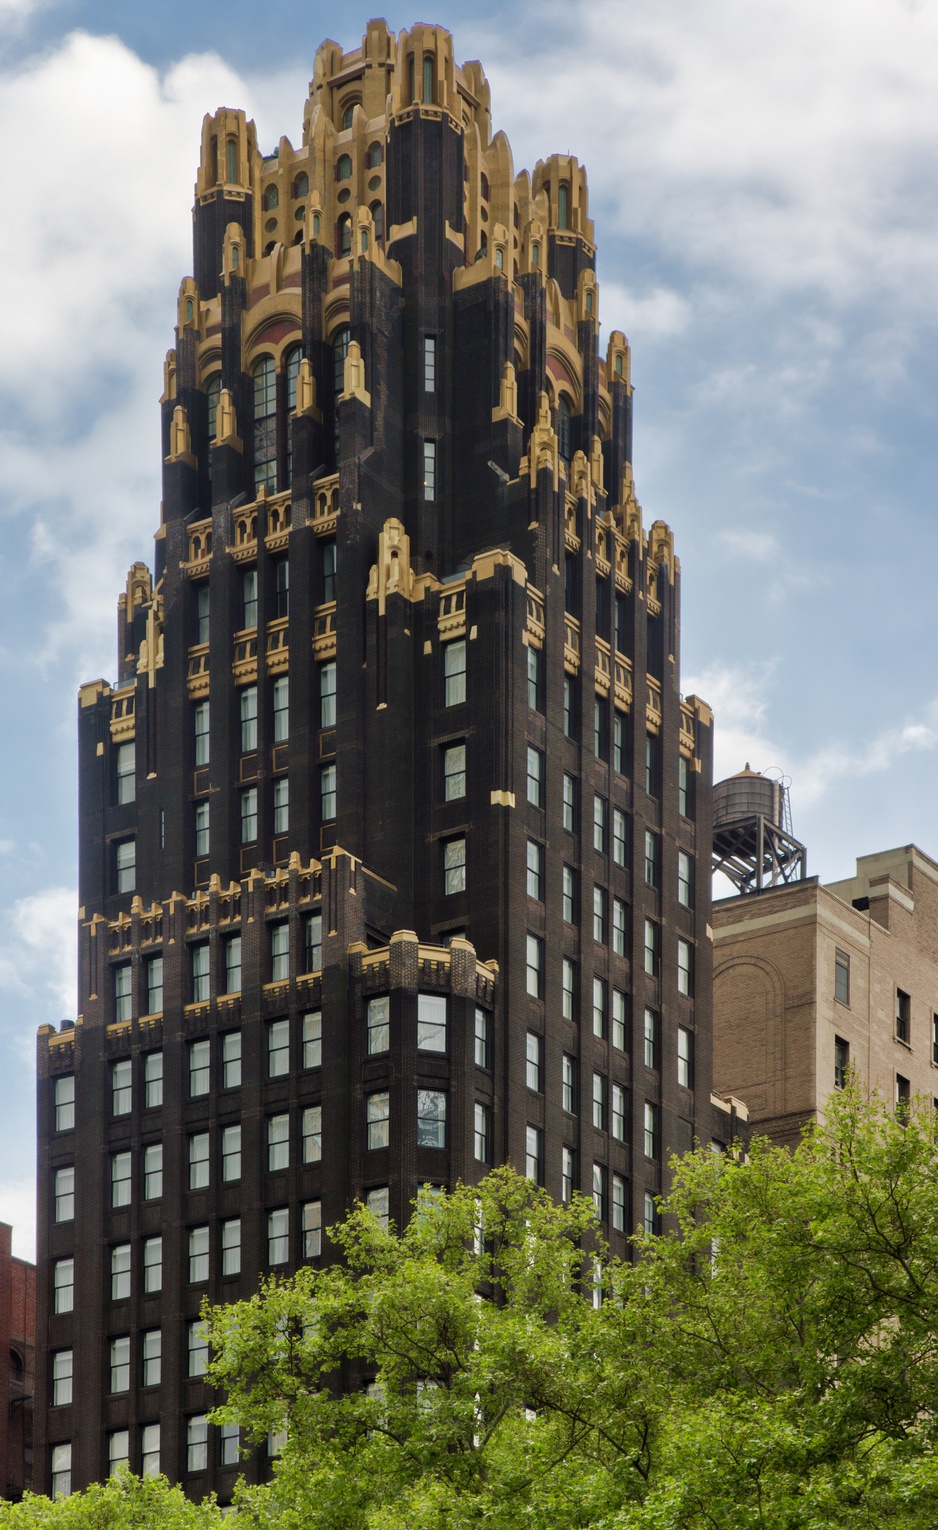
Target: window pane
(278, 1143)
(231, 1153)
(278, 1236)
(278, 1048)
(454, 673)
(312, 1134)
(431, 1022)
(152, 1265)
(481, 1038)
(312, 1230)
(198, 1254)
(312, 1040)
(231, 1247)
(153, 1078)
(378, 1119)
(431, 1118)
(378, 1025)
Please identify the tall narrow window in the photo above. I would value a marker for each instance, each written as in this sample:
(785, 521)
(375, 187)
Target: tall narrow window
(429, 363)
(652, 948)
(249, 815)
(200, 974)
(652, 764)
(64, 1194)
(248, 718)
(684, 783)
(534, 1154)
(153, 1171)
(122, 1097)
(620, 1016)
(154, 982)
(232, 949)
(126, 772)
(278, 1143)
(569, 989)
(198, 1161)
(454, 673)
(619, 927)
(312, 1229)
(569, 803)
(213, 393)
(619, 840)
(64, 1102)
(61, 1377)
(153, 1076)
(197, 1443)
(454, 772)
(841, 1062)
(291, 371)
(599, 1007)
(120, 1272)
(535, 666)
(600, 914)
(201, 828)
(619, 1111)
(599, 1191)
(120, 1364)
(312, 1134)
(481, 1133)
(429, 471)
(685, 1058)
(651, 1039)
(281, 709)
(281, 805)
(199, 1059)
(454, 866)
(329, 570)
(378, 1119)
(231, 161)
(63, 1285)
(152, 1345)
(431, 1022)
(327, 694)
(535, 776)
(563, 205)
(123, 992)
(685, 879)
(599, 824)
(152, 1266)
(618, 743)
(378, 1026)
(327, 792)
(281, 587)
(150, 1433)
(312, 1039)
(535, 870)
(568, 898)
(568, 1084)
(126, 861)
(567, 1173)
(534, 967)
(685, 967)
(652, 858)
(618, 1203)
(231, 1246)
(841, 977)
(564, 430)
(427, 80)
(533, 1046)
(278, 1048)
(249, 598)
(231, 1154)
(201, 722)
(903, 1097)
(568, 719)
(265, 427)
(651, 1130)
(431, 1118)
(121, 1179)
(62, 1470)
(312, 943)
(599, 1102)
(198, 1255)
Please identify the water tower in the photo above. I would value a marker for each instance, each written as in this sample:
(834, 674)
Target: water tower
(752, 840)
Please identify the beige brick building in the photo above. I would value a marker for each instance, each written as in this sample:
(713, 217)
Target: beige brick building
(809, 980)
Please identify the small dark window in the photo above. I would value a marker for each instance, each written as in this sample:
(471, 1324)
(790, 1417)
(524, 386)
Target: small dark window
(564, 429)
(841, 977)
(903, 1097)
(934, 1038)
(428, 80)
(374, 156)
(903, 1015)
(343, 243)
(343, 167)
(301, 184)
(271, 199)
(841, 1062)
(563, 204)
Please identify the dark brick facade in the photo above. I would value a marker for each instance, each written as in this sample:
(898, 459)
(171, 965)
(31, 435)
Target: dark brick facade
(391, 447)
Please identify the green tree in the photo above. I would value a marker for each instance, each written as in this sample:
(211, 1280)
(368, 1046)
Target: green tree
(123, 1503)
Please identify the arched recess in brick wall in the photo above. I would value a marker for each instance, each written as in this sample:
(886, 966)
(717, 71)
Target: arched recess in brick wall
(749, 1033)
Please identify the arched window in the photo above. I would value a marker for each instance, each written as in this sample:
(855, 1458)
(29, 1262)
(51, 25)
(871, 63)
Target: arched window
(499, 258)
(269, 248)
(535, 256)
(343, 167)
(564, 428)
(375, 156)
(343, 243)
(301, 184)
(213, 389)
(619, 364)
(428, 79)
(563, 204)
(213, 160)
(315, 225)
(232, 160)
(411, 82)
(377, 212)
(271, 199)
(298, 237)
(483, 245)
(291, 371)
(190, 310)
(485, 187)
(348, 115)
(265, 424)
(589, 302)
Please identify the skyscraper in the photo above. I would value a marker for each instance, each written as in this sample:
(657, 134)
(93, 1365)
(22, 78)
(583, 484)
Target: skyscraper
(395, 828)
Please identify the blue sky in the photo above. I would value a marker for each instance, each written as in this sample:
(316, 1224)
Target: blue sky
(763, 181)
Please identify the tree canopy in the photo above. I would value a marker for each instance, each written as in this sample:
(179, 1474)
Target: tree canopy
(768, 1363)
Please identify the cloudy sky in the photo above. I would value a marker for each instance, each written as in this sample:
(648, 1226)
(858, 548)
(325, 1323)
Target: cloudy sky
(764, 180)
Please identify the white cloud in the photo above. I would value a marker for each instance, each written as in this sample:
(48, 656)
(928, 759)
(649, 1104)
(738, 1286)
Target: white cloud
(38, 955)
(759, 546)
(18, 1209)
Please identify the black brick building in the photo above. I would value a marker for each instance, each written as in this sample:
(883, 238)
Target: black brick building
(395, 827)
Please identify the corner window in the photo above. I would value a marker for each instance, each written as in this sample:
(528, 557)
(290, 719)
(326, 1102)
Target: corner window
(64, 1102)
(431, 1022)
(378, 1026)
(378, 1119)
(431, 1118)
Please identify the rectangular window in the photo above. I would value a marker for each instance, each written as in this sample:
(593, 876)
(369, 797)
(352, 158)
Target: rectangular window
(618, 1203)
(150, 1450)
(534, 967)
(126, 772)
(153, 1171)
(279, 952)
(281, 587)
(329, 570)
(378, 1119)
(619, 927)
(62, 1470)
(429, 471)
(327, 792)
(327, 694)
(197, 1443)
(482, 1040)
(198, 1161)
(249, 597)
(569, 803)
(64, 1102)
(652, 948)
(119, 1364)
(454, 866)
(198, 1067)
(248, 718)
(685, 1058)
(599, 1102)
(312, 1039)
(229, 1444)
(378, 1025)
(534, 678)
(201, 828)
(282, 709)
(600, 914)
(841, 1062)
(651, 1039)
(122, 1095)
(652, 764)
(155, 985)
(231, 1059)
(568, 993)
(118, 1449)
(481, 1135)
(567, 706)
(231, 1246)
(152, 1357)
(619, 841)
(652, 858)
(312, 1229)
(618, 743)
(200, 714)
(934, 1038)
(599, 1007)
(232, 950)
(599, 1191)
(120, 1272)
(599, 824)
(454, 772)
(123, 994)
(619, 1112)
(685, 879)
(153, 1079)
(62, 1377)
(278, 1048)
(429, 363)
(281, 805)
(903, 1097)
(534, 1154)
(535, 870)
(454, 673)
(278, 1236)
(126, 853)
(431, 1118)
(568, 1084)
(651, 1130)
(569, 895)
(620, 1014)
(278, 1143)
(63, 1285)
(200, 973)
(431, 1022)
(567, 1173)
(535, 776)
(685, 967)
(121, 1182)
(231, 1153)
(198, 1255)
(533, 1047)
(312, 942)
(64, 1194)
(312, 1134)
(684, 787)
(249, 815)
(152, 1266)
